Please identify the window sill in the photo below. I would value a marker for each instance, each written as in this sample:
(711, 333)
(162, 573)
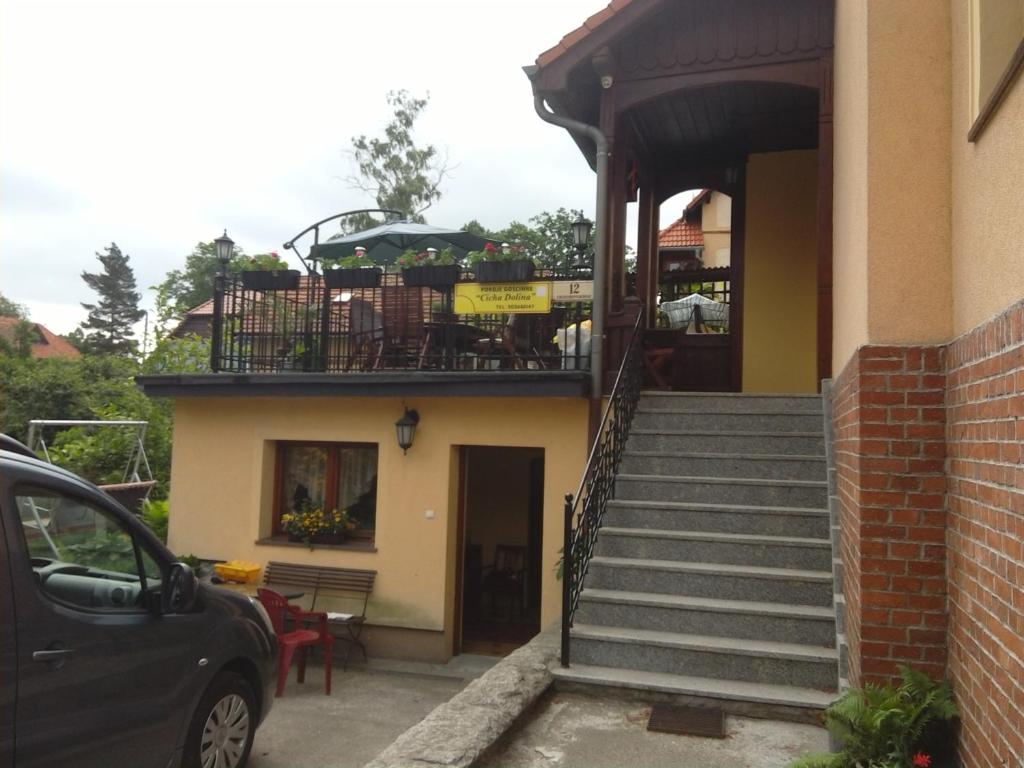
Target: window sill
(354, 546)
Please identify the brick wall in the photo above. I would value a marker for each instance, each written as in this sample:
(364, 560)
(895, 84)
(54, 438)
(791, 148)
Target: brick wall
(985, 402)
(889, 417)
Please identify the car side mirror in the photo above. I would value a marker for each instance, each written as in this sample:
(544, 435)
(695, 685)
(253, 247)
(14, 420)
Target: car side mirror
(179, 590)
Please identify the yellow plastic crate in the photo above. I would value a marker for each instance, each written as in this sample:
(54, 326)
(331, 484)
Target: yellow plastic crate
(239, 571)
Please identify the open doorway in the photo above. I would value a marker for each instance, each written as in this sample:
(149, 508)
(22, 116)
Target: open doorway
(500, 520)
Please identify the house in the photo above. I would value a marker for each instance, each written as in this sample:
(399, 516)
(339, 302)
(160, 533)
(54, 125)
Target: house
(43, 342)
(698, 238)
(836, 490)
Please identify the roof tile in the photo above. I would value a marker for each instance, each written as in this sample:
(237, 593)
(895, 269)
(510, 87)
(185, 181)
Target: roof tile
(681, 234)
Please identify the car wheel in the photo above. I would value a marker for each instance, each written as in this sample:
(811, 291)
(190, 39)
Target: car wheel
(223, 725)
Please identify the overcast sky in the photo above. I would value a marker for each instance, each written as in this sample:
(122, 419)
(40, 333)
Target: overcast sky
(158, 124)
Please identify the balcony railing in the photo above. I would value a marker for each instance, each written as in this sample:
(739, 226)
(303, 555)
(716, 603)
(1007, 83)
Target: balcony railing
(306, 326)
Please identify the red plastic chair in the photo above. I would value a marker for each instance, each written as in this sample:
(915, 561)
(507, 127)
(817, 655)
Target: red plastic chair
(298, 639)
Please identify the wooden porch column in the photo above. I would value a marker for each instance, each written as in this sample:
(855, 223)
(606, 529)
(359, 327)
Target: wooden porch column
(646, 249)
(824, 228)
(616, 213)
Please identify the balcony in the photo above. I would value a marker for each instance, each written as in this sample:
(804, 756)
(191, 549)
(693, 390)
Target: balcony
(298, 324)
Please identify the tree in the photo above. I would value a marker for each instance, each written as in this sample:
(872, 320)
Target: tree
(547, 239)
(10, 308)
(111, 319)
(183, 289)
(398, 174)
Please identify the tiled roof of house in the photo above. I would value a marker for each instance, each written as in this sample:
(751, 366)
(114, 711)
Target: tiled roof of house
(581, 32)
(681, 234)
(46, 342)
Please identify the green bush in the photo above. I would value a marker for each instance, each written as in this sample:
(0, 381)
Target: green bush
(891, 726)
(155, 516)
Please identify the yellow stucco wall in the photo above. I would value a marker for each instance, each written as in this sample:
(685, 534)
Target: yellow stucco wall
(988, 204)
(780, 284)
(716, 224)
(222, 484)
(850, 182)
(892, 211)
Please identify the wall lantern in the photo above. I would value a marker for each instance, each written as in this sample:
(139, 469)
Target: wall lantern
(405, 429)
(581, 232)
(225, 247)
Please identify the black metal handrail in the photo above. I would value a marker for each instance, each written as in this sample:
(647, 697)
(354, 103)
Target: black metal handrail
(584, 510)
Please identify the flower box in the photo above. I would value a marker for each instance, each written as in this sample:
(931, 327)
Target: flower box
(353, 277)
(320, 538)
(270, 280)
(515, 271)
(433, 276)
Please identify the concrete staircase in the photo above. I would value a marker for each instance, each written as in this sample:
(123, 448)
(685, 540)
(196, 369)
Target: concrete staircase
(712, 576)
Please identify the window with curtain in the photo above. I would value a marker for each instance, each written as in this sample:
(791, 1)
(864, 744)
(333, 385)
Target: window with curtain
(330, 476)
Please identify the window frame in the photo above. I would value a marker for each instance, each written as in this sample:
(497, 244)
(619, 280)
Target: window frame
(331, 486)
(982, 113)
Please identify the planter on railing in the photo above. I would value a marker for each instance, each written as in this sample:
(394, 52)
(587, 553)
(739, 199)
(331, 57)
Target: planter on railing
(515, 271)
(270, 280)
(433, 276)
(353, 277)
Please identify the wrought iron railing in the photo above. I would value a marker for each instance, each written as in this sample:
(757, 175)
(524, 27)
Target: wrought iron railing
(584, 510)
(271, 324)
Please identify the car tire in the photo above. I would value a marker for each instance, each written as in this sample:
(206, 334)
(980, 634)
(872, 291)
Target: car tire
(223, 725)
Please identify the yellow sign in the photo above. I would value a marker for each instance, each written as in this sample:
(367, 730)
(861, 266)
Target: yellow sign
(502, 298)
(572, 290)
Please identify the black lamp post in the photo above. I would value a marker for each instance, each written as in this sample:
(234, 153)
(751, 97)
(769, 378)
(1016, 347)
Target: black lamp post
(581, 229)
(225, 247)
(405, 429)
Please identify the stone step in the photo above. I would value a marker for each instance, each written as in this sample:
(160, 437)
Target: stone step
(784, 702)
(727, 581)
(752, 661)
(709, 547)
(734, 441)
(806, 494)
(722, 518)
(768, 466)
(710, 421)
(814, 625)
(725, 402)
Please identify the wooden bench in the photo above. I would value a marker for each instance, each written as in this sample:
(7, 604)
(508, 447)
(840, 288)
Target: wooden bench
(347, 583)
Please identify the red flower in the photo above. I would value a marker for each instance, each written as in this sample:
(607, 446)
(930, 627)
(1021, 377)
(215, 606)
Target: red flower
(489, 247)
(921, 760)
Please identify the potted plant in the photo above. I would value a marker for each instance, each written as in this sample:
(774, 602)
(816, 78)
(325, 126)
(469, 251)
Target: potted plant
(430, 268)
(505, 265)
(356, 271)
(315, 525)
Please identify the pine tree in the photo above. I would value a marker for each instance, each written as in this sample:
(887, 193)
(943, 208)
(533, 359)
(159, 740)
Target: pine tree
(109, 325)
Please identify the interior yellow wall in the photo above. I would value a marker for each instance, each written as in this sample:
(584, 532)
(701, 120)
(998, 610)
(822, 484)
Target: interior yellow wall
(221, 485)
(892, 234)
(988, 205)
(780, 284)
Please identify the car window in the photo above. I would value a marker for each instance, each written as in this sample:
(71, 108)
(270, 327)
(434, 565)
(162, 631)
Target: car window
(81, 554)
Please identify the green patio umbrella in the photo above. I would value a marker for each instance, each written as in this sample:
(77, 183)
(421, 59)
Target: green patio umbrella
(386, 242)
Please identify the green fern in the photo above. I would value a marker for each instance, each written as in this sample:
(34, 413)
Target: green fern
(883, 726)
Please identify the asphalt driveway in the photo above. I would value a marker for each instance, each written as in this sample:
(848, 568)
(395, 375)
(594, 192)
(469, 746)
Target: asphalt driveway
(365, 712)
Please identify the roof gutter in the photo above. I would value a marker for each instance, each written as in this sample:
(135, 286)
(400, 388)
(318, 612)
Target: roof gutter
(600, 255)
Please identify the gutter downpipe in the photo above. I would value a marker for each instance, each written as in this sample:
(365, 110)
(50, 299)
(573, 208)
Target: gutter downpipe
(600, 256)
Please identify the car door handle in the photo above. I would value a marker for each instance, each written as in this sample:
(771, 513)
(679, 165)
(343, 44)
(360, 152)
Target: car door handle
(56, 654)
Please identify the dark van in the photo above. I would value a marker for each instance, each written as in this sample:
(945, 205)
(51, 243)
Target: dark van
(113, 655)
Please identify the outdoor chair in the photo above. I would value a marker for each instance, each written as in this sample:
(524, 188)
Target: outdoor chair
(405, 340)
(298, 639)
(506, 578)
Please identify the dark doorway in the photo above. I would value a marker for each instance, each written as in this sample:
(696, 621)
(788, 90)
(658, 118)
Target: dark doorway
(501, 522)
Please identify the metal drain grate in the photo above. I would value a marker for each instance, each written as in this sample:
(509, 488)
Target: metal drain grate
(689, 721)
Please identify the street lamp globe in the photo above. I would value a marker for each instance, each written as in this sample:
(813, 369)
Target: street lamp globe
(581, 232)
(225, 247)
